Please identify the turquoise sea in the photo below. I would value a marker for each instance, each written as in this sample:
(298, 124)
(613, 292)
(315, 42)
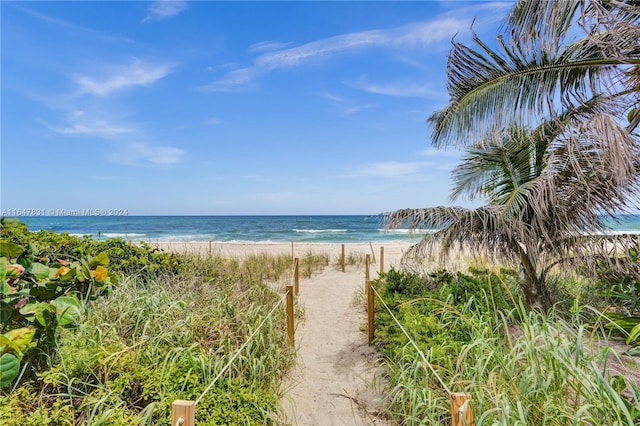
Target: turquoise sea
(319, 229)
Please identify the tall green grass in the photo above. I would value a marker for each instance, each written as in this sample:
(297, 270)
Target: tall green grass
(149, 343)
(521, 367)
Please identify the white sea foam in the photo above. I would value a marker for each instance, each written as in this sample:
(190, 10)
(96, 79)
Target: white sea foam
(321, 231)
(123, 235)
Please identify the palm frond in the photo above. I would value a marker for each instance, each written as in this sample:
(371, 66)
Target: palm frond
(521, 82)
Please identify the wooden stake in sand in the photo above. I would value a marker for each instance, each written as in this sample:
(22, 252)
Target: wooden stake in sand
(296, 275)
(183, 413)
(381, 260)
(209, 248)
(371, 312)
(342, 258)
(290, 329)
(366, 271)
(461, 415)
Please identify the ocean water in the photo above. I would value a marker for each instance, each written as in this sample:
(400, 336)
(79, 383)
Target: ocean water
(320, 229)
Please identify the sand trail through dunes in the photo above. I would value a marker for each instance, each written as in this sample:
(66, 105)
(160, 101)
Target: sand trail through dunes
(333, 382)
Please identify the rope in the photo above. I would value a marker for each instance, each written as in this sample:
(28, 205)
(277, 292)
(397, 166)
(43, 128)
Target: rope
(435, 373)
(244, 345)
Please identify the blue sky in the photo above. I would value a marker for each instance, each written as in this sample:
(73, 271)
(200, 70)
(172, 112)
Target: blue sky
(215, 108)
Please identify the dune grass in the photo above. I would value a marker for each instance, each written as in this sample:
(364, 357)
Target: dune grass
(520, 367)
(149, 343)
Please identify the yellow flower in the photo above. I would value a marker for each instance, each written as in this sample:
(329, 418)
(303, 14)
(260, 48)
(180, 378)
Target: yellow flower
(100, 273)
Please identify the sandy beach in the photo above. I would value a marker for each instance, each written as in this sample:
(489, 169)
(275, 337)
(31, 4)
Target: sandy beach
(393, 251)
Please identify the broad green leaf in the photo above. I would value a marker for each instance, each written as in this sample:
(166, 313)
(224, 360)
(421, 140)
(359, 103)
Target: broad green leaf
(68, 309)
(7, 345)
(3, 267)
(634, 335)
(6, 312)
(9, 369)
(100, 259)
(21, 337)
(38, 311)
(39, 270)
(10, 249)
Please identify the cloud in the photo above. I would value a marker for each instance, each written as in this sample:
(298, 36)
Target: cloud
(267, 46)
(235, 81)
(434, 152)
(85, 31)
(82, 124)
(213, 121)
(164, 9)
(409, 90)
(139, 153)
(96, 128)
(391, 169)
(135, 73)
(418, 34)
(345, 106)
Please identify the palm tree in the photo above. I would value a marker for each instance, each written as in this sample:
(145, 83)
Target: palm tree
(568, 70)
(508, 228)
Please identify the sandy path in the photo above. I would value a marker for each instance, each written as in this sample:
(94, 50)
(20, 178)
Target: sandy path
(332, 382)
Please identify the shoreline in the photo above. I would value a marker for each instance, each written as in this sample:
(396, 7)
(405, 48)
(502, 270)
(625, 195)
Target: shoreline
(393, 252)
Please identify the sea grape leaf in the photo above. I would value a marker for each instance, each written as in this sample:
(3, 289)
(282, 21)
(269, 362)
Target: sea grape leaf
(38, 311)
(39, 270)
(99, 259)
(20, 338)
(6, 311)
(9, 368)
(68, 309)
(10, 249)
(3, 267)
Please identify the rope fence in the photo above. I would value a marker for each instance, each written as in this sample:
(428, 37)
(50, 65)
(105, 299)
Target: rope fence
(183, 411)
(461, 413)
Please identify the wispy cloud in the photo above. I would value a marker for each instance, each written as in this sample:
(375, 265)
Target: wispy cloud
(345, 106)
(391, 169)
(420, 34)
(140, 153)
(81, 123)
(267, 46)
(127, 140)
(434, 152)
(213, 121)
(401, 89)
(135, 73)
(164, 9)
(70, 26)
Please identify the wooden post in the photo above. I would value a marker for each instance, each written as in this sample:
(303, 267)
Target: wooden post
(342, 258)
(371, 312)
(296, 275)
(183, 413)
(381, 260)
(461, 415)
(292, 255)
(290, 324)
(373, 253)
(366, 272)
(209, 248)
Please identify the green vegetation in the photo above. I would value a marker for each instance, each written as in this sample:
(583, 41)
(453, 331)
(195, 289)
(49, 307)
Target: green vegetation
(548, 148)
(87, 345)
(549, 119)
(520, 366)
